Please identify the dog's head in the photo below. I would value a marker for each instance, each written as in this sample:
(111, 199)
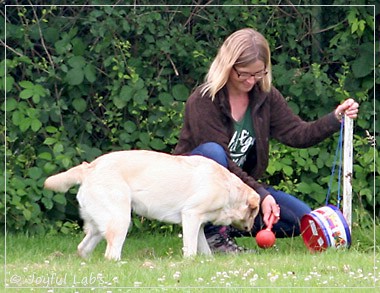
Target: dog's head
(251, 209)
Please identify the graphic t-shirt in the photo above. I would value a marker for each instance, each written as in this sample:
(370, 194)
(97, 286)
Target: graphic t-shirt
(243, 139)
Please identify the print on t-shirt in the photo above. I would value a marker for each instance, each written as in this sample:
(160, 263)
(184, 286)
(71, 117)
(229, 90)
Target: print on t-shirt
(242, 140)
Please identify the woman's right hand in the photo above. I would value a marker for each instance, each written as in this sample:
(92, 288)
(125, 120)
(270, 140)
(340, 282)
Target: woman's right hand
(269, 206)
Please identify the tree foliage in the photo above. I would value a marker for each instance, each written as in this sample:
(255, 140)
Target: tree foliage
(85, 80)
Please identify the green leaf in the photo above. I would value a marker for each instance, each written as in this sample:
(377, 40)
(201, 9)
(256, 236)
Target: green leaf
(60, 198)
(35, 173)
(49, 168)
(32, 112)
(35, 124)
(90, 73)
(354, 27)
(144, 138)
(36, 98)
(126, 94)
(320, 163)
(313, 151)
(45, 156)
(48, 203)
(180, 92)
(51, 34)
(18, 183)
(9, 83)
(362, 66)
(119, 102)
(58, 148)
(288, 170)
(25, 124)
(313, 168)
(77, 62)
(304, 187)
(11, 104)
(296, 89)
(139, 84)
(50, 141)
(80, 105)
(26, 94)
(66, 162)
(130, 127)
(51, 129)
(294, 107)
(39, 90)
(17, 117)
(286, 161)
(157, 144)
(141, 96)
(165, 98)
(300, 161)
(27, 214)
(304, 153)
(75, 76)
(26, 84)
(271, 169)
(2, 67)
(79, 47)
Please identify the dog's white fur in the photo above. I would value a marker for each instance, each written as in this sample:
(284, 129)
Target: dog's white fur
(187, 190)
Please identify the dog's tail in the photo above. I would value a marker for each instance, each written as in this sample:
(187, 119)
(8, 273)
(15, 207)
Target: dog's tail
(62, 182)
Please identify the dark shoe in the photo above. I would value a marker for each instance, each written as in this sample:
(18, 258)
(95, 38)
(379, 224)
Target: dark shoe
(219, 241)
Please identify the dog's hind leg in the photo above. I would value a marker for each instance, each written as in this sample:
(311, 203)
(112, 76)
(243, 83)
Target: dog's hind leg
(88, 244)
(116, 229)
(203, 246)
(115, 236)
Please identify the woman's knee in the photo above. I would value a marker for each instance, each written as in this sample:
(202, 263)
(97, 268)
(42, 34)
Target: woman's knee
(290, 202)
(212, 150)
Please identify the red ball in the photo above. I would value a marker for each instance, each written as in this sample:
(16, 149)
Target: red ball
(265, 239)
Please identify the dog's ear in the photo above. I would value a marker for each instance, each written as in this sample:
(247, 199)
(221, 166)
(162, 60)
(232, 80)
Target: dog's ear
(253, 204)
(253, 200)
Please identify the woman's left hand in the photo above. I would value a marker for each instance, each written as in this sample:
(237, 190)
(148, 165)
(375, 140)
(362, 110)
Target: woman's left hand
(349, 107)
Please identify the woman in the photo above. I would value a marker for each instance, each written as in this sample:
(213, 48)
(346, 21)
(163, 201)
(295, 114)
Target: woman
(231, 118)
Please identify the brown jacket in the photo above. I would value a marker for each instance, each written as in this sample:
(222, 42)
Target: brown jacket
(211, 121)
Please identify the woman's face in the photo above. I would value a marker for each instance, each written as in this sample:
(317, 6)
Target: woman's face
(244, 78)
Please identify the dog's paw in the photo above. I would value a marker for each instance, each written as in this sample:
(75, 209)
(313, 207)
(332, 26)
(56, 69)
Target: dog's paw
(82, 254)
(112, 257)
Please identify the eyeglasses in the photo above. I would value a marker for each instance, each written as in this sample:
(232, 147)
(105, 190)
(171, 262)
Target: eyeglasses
(245, 75)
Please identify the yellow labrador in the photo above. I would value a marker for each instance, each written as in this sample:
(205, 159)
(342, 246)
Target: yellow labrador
(187, 190)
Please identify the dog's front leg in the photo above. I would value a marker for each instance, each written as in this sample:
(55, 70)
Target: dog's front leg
(190, 230)
(203, 246)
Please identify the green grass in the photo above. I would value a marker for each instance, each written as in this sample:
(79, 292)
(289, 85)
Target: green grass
(154, 262)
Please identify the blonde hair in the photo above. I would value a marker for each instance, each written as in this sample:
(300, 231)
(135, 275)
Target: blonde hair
(240, 48)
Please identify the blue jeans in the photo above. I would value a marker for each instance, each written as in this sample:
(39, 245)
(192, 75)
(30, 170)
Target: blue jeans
(292, 209)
